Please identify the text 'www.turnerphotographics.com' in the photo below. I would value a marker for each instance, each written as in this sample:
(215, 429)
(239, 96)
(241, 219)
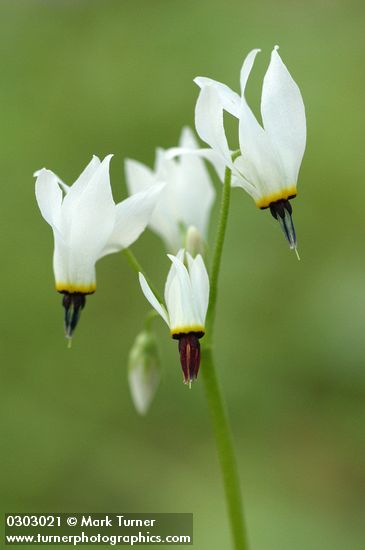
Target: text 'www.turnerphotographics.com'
(76, 529)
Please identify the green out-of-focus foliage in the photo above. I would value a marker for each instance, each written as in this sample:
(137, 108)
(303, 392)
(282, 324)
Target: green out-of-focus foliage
(83, 77)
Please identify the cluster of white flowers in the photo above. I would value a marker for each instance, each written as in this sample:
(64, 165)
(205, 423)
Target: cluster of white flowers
(175, 199)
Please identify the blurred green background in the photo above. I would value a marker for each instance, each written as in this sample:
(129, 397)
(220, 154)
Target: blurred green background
(81, 77)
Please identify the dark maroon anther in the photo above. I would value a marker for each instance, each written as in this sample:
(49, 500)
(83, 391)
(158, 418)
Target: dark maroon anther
(189, 349)
(73, 302)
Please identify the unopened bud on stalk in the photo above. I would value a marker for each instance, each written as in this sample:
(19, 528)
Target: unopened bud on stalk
(143, 370)
(195, 243)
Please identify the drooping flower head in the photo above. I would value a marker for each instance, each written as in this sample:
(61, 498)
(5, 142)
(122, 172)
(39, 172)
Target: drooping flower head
(186, 299)
(271, 153)
(87, 225)
(188, 195)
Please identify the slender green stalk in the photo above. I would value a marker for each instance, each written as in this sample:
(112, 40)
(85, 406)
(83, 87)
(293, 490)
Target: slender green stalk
(217, 254)
(134, 263)
(215, 400)
(151, 315)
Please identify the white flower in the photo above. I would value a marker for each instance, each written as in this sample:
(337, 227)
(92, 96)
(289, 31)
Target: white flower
(88, 225)
(186, 298)
(187, 197)
(270, 158)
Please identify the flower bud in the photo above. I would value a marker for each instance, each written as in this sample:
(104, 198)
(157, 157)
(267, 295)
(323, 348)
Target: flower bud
(195, 243)
(143, 370)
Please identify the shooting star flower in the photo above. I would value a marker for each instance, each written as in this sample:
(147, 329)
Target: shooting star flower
(186, 298)
(187, 198)
(87, 225)
(270, 155)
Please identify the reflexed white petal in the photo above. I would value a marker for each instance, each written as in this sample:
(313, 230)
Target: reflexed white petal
(75, 191)
(208, 154)
(209, 122)
(86, 174)
(163, 220)
(200, 284)
(89, 225)
(61, 183)
(266, 172)
(188, 139)
(244, 175)
(48, 195)
(165, 168)
(259, 163)
(246, 69)
(179, 298)
(138, 176)
(172, 271)
(131, 218)
(230, 100)
(167, 217)
(283, 116)
(60, 260)
(152, 299)
(194, 193)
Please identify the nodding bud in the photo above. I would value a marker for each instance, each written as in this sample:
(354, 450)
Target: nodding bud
(189, 349)
(194, 242)
(143, 370)
(282, 211)
(73, 302)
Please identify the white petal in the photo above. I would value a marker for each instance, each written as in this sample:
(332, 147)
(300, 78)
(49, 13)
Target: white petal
(211, 156)
(152, 299)
(90, 222)
(180, 300)
(138, 176)
(200, 284)
(165, 168)
(60, 262)
(163, 220)
(75, 191)
(246, 69)
(188, 139)
(132, 217)
(265, 170)
(48, 195)
(244, 174)
(209, 122)
(61, 183)
(172, 272)
(283, 116)
(231, 101)
(194, 193)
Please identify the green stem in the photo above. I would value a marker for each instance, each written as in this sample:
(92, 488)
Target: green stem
(151, 315)
(134, 263)
(217, 255)
(215, 400)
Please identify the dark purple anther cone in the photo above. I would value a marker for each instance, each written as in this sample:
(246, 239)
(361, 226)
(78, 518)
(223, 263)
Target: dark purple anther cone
(189, 349)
